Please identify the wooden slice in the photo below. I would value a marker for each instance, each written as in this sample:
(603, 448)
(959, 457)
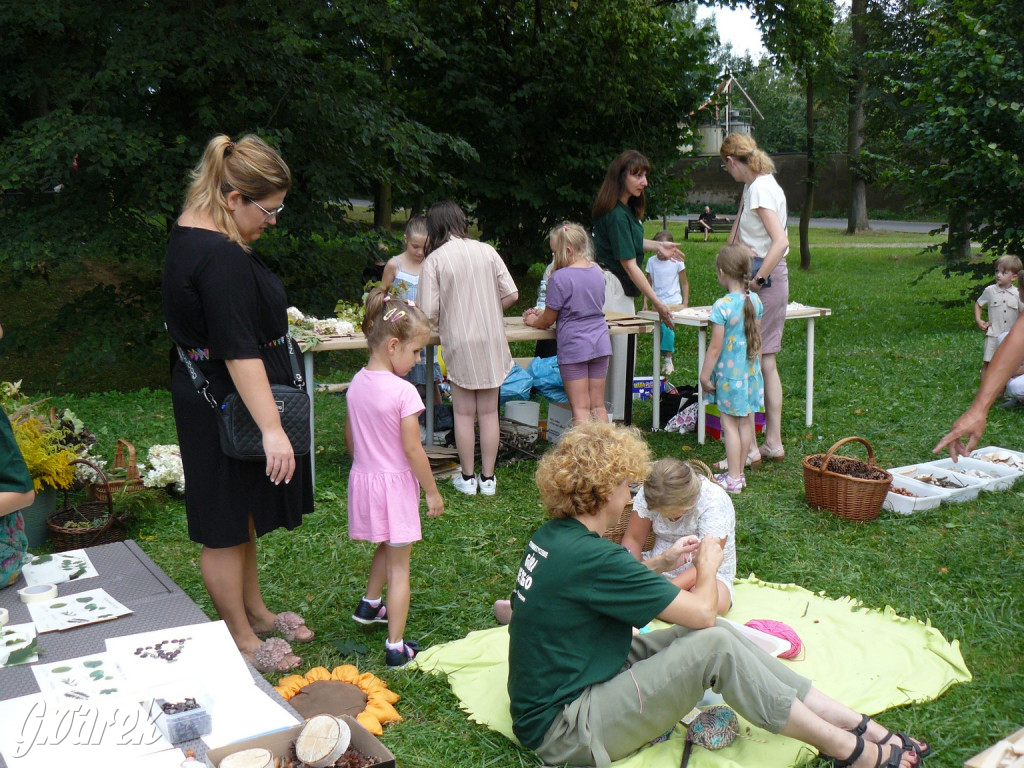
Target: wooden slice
(323, 741)
(249, 758)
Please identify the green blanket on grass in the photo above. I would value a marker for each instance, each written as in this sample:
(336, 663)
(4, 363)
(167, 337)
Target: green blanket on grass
(871, 660)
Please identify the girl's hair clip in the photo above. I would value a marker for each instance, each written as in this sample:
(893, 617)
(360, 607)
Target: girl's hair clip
(411, 303)
(394, 314)
(387, 298)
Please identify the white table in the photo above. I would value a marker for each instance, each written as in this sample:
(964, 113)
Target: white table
(515, 330)
(700, 318)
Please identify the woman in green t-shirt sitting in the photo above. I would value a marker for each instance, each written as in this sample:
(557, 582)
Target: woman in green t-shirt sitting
(584, 690)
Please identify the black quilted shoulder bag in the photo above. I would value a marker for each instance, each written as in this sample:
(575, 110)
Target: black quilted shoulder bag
(240, 437)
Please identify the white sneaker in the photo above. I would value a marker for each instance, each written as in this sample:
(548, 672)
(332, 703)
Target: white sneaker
(668, 368)
(467, 487)
(487, 487)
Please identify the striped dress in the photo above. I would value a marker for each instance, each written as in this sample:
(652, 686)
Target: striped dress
(461, 287)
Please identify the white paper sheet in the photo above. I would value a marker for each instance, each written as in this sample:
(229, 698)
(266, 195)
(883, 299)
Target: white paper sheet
(73, 565)
(14, 639)
(86, 678)
(243, 712)
(198, 651)
(35, 733)
(76, 610)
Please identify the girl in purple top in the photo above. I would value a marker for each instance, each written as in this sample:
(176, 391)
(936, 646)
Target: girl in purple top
(575, 299)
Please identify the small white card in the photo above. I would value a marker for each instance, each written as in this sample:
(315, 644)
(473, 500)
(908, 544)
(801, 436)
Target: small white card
(75, 611)
(18, 645)
(83, 679)
(59, 568)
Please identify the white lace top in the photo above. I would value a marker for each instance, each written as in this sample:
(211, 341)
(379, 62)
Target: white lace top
(714, 515)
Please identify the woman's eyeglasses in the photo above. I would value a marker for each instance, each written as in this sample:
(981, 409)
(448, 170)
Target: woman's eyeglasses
(269, 214)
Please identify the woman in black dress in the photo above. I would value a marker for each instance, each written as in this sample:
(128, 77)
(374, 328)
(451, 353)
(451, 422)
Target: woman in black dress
(228, 311)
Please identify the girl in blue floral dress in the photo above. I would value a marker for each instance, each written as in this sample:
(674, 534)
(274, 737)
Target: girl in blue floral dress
(731, 375)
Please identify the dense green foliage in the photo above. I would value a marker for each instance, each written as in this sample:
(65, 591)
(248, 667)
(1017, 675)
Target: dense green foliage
(894, 365)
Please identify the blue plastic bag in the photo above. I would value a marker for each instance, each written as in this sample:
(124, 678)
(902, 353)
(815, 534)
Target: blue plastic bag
(517, 385)
(547, 379)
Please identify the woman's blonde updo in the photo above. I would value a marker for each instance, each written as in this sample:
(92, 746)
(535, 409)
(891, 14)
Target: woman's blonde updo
(744, 149)
(249, 166)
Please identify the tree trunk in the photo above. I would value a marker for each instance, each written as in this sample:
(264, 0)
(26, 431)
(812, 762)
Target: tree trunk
(382, 205)
(858, 214)
(812, 173)
(958, 241)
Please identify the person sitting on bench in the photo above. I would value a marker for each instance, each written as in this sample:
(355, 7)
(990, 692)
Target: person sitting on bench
(705, 221)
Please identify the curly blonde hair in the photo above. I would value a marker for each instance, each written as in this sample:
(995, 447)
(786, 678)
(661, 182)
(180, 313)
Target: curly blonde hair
(579, 475)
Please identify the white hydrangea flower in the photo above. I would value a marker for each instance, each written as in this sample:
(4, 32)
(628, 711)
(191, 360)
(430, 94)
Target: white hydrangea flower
(164, 468)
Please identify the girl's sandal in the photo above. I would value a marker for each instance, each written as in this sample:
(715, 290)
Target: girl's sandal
(920, 748)
(893, 761)
(773, 454)
(723, 465)
(275, 655)
(292, 628)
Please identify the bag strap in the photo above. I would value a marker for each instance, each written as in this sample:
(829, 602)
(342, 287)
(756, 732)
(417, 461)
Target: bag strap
(735, 238)
(199, 381)
(202, 385)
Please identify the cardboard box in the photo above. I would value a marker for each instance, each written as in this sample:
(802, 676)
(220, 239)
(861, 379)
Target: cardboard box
(643, 387)
(559, 420)
(279, 743)
(981, 758)
(713, 422)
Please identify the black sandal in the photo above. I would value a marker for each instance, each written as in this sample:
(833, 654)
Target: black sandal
(906, 743)
(893, 761)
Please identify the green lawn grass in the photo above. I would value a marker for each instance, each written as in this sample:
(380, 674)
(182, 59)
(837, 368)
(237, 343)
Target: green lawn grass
(895, 365)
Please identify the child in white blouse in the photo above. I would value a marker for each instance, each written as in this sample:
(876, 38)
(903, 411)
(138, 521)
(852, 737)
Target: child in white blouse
(679, 503)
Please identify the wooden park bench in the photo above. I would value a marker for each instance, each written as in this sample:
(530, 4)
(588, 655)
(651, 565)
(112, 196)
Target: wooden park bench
(718, 225)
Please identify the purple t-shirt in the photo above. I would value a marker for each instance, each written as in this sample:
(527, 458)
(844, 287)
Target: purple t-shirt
(577, 295)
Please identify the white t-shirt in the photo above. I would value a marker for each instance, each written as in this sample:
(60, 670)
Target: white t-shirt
(762, 192)
(665, 278)
(714, 515)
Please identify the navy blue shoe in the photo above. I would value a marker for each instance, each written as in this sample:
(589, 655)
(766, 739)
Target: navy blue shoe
(399, 657)
(367, 614)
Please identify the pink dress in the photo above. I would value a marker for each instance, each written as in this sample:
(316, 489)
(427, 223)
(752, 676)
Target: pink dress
(383, 492)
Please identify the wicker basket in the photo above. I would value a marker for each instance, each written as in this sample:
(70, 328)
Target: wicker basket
(618, 530)
(124, 458)
(849, 497)
(82, 506)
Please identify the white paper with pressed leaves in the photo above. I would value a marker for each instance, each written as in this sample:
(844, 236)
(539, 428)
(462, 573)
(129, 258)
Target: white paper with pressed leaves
(58, 568)
(87, 678)
(18, 645)
(75, 611)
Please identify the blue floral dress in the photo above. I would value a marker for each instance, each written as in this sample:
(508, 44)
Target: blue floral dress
(739, 386)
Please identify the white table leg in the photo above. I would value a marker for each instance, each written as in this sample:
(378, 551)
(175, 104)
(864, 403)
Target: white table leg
(307, 365)
(656, 380)
(428, 385)
(702, 339)
(809, 412)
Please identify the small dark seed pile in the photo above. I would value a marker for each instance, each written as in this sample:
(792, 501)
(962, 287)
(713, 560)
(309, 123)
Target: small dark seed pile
(844, 466)
(352, 758)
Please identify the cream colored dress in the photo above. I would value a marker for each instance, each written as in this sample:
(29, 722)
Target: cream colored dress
(461, 287)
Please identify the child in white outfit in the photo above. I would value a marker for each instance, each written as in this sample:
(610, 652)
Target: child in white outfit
(668, 279)
(1004, 304)
(682, 507)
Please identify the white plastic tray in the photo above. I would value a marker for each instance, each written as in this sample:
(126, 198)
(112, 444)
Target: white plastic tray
(1014, 459)
(999, 477)
(972, 485)
(927, 496)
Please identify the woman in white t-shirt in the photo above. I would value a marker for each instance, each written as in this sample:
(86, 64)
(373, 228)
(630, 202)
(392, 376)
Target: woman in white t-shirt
(761, 225)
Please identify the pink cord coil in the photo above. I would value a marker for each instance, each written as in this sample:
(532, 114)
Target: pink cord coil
(780, 630)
